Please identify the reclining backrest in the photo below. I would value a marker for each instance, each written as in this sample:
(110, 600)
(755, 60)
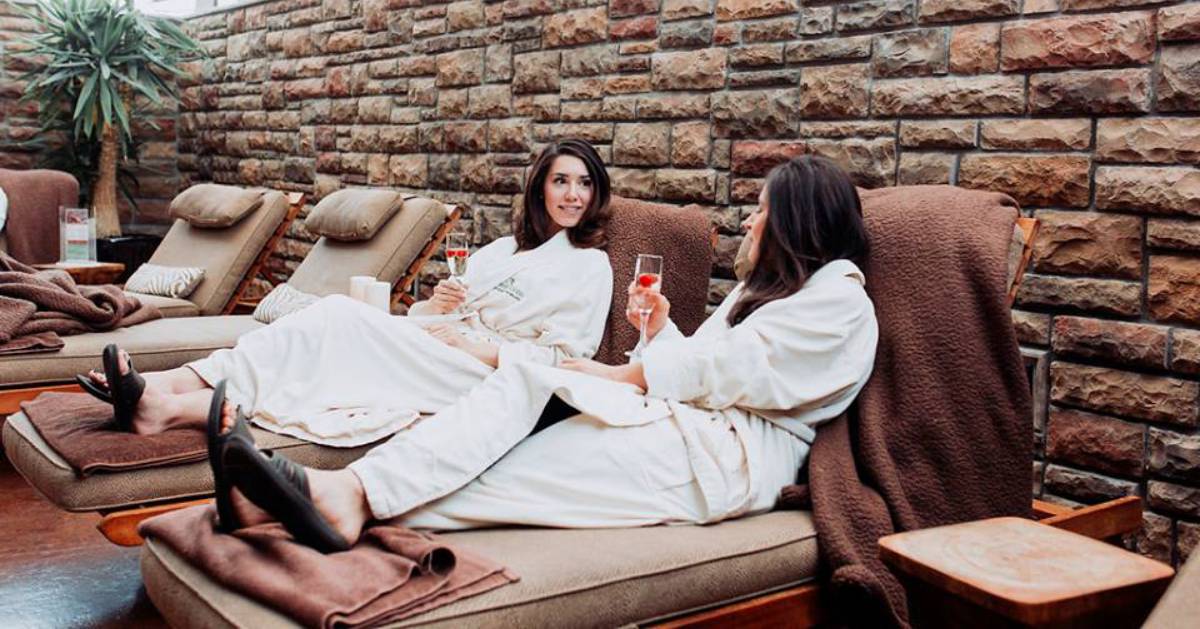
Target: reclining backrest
(225, 253)
(682, 236)
(34, 196)
(330, 264)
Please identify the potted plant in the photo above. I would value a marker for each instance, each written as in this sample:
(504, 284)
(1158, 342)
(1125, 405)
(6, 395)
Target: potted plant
(90, 61)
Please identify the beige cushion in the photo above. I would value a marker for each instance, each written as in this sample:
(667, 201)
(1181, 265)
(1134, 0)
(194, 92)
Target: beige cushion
(210, 205)
(352, 215)
(155, 346)
(1180, 606)
(569, 578)
(330, 264)
(168, 281)
(50, 474)
(282, 300)
(225, 254)
(168, 306)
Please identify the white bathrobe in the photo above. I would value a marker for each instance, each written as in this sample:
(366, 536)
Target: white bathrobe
(725, 424)
(342, 373)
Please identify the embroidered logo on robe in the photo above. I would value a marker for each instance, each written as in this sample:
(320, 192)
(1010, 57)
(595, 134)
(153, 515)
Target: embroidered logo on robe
(509, 287)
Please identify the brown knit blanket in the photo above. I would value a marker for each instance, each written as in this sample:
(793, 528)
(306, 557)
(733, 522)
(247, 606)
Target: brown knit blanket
(681, 237)
(390, 574)
(37, 306)
(941, 432)
(79, 428)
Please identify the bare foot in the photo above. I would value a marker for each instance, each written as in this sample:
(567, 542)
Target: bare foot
(339, 496)
(247, 512)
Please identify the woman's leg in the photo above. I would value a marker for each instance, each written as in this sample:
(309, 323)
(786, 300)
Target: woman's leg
(175, 398)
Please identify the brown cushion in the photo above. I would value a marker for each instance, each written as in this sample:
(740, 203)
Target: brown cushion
(224, 254)
(353, 215)
(214, 206)
(682, 237)
(54, 479)
(330, 264)
(569, 578)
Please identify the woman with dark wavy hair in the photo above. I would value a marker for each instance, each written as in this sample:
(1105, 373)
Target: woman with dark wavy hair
(705, 428)
(342, 373)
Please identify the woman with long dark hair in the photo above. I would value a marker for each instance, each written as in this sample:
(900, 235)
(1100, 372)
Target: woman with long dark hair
(342, 373)
(705, 428)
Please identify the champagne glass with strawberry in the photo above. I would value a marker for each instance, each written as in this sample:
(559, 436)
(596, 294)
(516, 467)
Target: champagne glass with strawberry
(647, 276)
(457, 255)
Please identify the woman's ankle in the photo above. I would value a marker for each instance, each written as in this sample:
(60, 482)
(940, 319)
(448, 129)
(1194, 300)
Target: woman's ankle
(340, 497)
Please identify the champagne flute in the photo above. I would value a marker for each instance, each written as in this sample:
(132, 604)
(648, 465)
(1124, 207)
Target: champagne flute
(647, 275)
(457, 255)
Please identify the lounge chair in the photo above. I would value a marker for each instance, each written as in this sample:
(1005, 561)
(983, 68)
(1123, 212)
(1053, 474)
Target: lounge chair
(395, 254)
(231, 256)
(760, 570)
(681, 234)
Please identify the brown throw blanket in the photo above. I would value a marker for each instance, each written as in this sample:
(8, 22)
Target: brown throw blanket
(682, 237)
(37, 306)
(390, 574)
(942, 432)
(79, 428)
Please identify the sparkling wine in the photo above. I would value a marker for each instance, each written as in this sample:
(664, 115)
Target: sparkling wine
(456, 259)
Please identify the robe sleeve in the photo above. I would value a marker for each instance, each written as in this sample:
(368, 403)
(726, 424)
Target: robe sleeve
(800, 352)
(575, 326)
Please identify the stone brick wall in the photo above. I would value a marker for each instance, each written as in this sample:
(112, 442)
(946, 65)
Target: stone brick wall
(158, 176)
(1086, 111)
(18, 122)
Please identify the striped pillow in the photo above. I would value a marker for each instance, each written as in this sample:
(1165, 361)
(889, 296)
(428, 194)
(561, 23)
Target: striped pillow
(282, 300)
(167, 281)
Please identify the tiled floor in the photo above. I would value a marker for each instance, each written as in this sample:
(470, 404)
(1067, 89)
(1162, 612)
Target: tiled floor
(57, 571)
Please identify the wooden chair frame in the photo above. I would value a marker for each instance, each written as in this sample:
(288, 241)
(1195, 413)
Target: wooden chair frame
(295, 204)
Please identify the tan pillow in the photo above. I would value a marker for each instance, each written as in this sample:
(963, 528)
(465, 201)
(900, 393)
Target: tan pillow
(167, 281)
(214, 206)
(353, 214)
(282, 300)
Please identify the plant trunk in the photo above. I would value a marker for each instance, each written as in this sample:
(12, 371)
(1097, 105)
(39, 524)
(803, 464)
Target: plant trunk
(104, 192)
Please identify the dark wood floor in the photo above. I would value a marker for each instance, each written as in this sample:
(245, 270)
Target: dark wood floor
(57, 571)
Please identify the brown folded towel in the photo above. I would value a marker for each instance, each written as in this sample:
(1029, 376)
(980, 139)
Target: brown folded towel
(390, 574)
(941, 432)
(49, 303)
(682, 237)
(79, 428)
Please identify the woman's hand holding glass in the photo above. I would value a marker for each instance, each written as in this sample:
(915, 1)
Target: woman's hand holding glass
(649, 299)
(448, 296)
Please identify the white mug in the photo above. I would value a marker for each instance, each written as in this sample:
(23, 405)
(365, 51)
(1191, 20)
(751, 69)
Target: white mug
(358, 286)
(379, 295)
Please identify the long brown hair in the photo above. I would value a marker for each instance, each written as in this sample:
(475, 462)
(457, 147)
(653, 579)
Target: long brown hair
(814, 216)
(533, 223)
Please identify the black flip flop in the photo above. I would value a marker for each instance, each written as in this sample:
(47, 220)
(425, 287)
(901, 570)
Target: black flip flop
(227, 520)
(125, 389)
(94, 389)
(279, 487)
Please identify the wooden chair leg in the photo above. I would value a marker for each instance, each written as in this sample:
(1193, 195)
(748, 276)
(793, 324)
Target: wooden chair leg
(10, 399)
(120, 527)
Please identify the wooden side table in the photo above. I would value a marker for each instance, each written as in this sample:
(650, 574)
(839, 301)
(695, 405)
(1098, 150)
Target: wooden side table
(1012, 572)
(88, 272)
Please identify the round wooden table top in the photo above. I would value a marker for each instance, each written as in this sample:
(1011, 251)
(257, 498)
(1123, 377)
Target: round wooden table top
(87, 272)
